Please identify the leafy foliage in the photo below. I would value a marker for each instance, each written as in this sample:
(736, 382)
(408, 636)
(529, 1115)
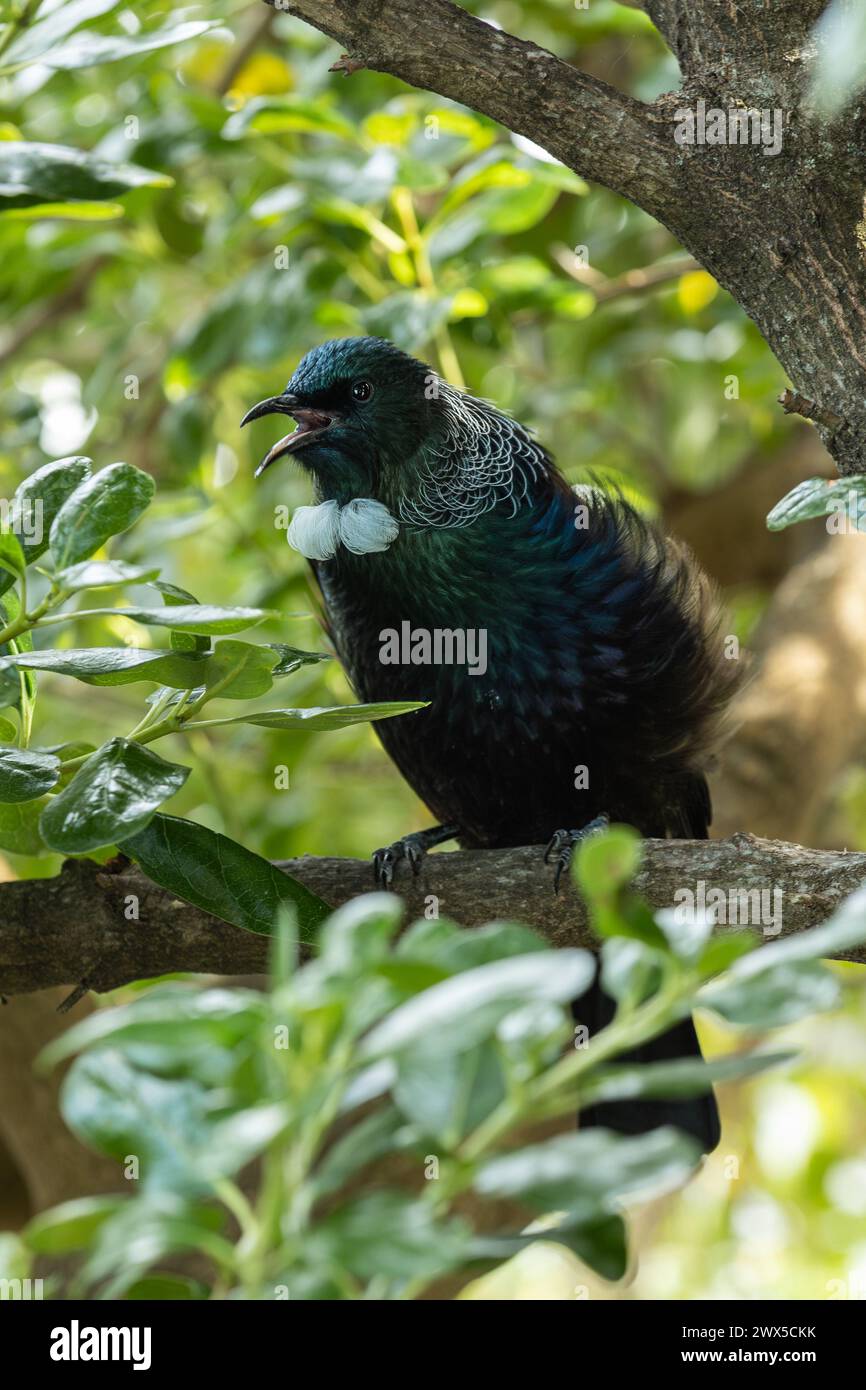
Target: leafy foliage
(431, 1050)
(92, 799)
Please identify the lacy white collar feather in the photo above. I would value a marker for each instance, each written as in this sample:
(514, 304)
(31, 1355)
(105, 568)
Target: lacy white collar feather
(362, 526)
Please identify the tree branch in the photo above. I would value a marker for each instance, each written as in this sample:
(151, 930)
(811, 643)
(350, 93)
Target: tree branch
(76, 928)
(438, 46)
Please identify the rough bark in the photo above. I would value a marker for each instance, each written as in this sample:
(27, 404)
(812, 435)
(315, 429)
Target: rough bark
(784, 233)
(73, 929)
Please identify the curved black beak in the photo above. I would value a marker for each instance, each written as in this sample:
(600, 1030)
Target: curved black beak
(274, 405)
(311, 424)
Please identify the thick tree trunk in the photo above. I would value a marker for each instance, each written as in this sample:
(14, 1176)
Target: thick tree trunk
(783, 233)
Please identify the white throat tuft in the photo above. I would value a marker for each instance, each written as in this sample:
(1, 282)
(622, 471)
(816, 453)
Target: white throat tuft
(364, 526)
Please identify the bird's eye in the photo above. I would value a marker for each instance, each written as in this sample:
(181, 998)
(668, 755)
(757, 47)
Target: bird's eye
(362, 390)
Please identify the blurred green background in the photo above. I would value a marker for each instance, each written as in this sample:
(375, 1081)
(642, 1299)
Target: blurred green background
(299, 206)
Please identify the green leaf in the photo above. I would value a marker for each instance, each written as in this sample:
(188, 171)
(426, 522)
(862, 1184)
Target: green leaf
(113, 795)
(359, 933)
(25, 774)
(679, 1080)
(588, 1174)
(391, 1235)
(175, 597)
(68, 212)
(103, 574)
(460, 1012)
(784, 980)
(88, 50)
(607, 862)
(819, 497)
(447, 1095)
(19, 827)
(39, 498)
(221, 876)
(12, 561)
(99, 508)
(778, 995)
(630, 970)
(32, 173)
(71, 1225)
(117, 665)
(278, 115)
(169, 1122)
(199, 618)
(239, 671)
(291, 658)
(843, 930)
(7, 730)
(174, 1017)
(320, 719)
(42, 34)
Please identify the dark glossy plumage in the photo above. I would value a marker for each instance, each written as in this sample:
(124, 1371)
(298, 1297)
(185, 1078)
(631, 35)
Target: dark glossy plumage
(603, 651)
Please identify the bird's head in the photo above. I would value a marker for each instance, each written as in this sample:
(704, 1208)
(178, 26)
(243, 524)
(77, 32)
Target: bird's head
(361, 408)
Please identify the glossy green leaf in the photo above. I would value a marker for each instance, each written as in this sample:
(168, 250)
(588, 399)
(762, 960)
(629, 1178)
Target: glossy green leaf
(239, 671)
(38, 499)
(103, 574)
(587, 1174)
(292, 658)
(113, 795)
(221, 876)
(172, 1016)
(32, 173)
(779, 995)
(116, 665)
(42, 34)
(196, 618)
(336, 717)
(12, 561)
(175, 597)
(462, 1011)
(846, 497)
(99, 508)
(26, 774)
(87, 50)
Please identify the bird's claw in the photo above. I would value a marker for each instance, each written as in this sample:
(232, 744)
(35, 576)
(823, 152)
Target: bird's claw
(386, 860)
(562, 843)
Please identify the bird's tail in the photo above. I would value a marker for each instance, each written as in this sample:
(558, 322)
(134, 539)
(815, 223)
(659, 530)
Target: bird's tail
(698, 1116)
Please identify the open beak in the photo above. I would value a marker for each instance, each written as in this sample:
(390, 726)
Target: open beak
(311, 424)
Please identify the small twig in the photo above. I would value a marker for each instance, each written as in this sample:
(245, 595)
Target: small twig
(243, 51)
(346, 64)
(606, 288)
(793, 403)
(82, 988)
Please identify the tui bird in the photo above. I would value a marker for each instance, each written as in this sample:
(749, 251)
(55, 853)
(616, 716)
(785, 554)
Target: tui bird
(442, 527)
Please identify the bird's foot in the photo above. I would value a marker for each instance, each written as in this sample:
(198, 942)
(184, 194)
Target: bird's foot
(412, 848)
(562, 843)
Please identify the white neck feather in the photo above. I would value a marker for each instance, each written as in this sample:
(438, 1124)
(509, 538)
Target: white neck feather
(363, 526)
